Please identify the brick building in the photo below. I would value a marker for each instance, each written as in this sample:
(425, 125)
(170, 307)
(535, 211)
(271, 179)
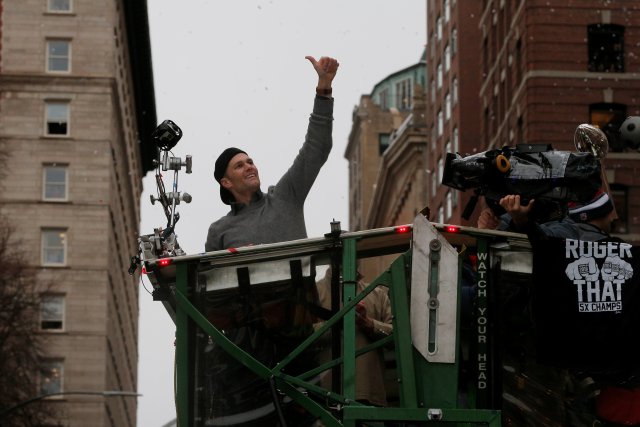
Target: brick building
(76, 95)
(453, 56)
(549, 66)
(503, 72)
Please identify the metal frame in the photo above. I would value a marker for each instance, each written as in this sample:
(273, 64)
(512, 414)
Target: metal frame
(418, 380)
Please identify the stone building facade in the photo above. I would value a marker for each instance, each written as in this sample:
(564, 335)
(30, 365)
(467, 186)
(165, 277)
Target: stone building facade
(77, 103)
(387, 156)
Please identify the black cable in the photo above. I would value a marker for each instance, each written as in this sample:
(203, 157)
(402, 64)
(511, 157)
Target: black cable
(145, 288)
(276, 401)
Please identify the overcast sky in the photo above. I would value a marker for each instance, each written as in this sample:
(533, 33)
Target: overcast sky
(233, 73)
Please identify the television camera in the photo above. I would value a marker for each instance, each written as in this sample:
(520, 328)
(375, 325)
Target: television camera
(163, 242)
(533, 171)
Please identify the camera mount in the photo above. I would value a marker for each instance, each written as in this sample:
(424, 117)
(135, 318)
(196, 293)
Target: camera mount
(163, 242)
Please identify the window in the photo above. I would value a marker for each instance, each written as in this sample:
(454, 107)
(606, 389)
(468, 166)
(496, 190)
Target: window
(447, 106)
(518, 62)
(403, 94)
(447, 58)
(52, 313)
(447, 11)
(384, 99)
(57, 118)
(440, 123)
(449, 205)
(51, 372)
(383, 142)
(440, 170)
(606, 48)
(609, 117)
(433, 91)
(520, 131)
(441, 215)
(485, 56)
(456, 145)
(439, 76)
(454, 41)
(54, 247)
(433, 139)
(439, 28)
(58, 56)
(54, 183)
(434, 184)
(59, 6)
(447, 147)
(454, 91)
(620, 195)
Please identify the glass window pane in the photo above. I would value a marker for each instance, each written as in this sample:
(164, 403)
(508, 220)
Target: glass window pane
(55, 182)
(51, 377)
(60, 5)
(53, 247)
(59, 48)
(606, 48)
(383, 142)
(57, 111)
(57, 118)
(52, 312)
(58, 55)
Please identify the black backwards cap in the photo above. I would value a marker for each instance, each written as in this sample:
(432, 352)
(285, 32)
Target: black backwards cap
(221, 168)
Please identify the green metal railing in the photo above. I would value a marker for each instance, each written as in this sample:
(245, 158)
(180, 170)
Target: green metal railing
(428, 392)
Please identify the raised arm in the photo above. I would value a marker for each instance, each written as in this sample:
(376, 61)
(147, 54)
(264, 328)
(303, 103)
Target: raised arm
(296, 183)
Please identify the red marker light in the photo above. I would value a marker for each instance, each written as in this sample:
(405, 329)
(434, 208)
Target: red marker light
(402, 229)
(451, 229)
(164, 262)
(144, 270)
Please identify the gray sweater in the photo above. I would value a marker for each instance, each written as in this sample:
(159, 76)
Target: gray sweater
(278, 215)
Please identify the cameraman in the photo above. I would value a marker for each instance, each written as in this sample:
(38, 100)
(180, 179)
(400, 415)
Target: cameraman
(617, 402)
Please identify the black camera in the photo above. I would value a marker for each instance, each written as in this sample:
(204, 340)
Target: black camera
(166, 135)
(533, 171)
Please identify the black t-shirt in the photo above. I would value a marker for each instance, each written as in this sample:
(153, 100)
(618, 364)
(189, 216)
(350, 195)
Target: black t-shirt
(587, 303)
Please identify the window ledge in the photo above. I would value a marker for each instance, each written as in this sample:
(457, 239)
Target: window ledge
(61, 13)
(57, 202)
(623, 155)
(70, 138)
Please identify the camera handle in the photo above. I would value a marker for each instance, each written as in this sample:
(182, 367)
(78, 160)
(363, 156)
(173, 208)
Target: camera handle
(471, 204)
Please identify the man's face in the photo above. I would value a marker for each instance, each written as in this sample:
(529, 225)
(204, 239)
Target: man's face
(241, 176)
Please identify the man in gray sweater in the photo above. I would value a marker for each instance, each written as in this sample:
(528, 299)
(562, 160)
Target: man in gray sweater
(239, 397)
(278, 214)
